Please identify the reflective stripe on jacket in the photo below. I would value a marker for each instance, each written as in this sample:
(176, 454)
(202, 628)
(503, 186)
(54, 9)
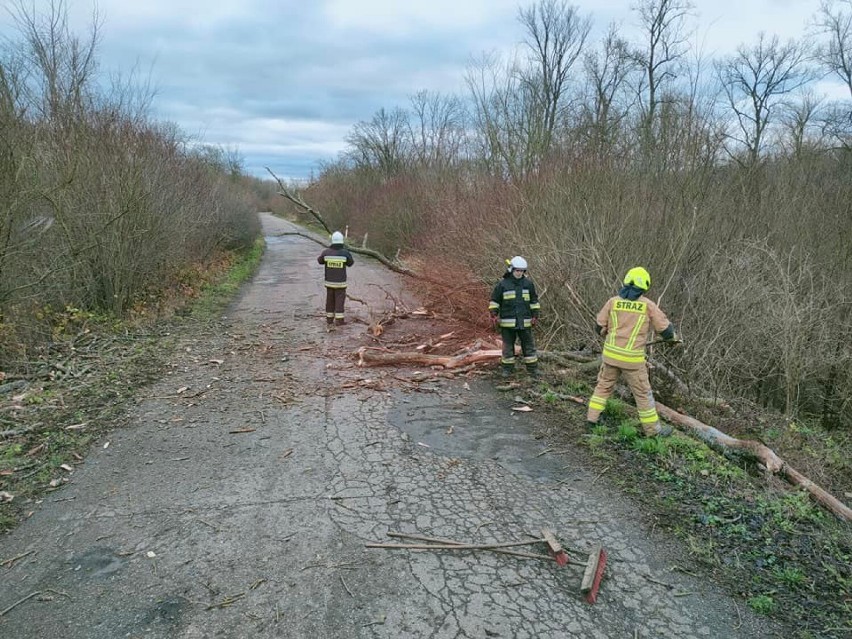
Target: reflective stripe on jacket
(335, 259)
(625, 326)
(515, 301)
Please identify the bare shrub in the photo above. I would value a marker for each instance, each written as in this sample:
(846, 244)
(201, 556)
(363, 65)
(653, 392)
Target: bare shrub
(98, 205)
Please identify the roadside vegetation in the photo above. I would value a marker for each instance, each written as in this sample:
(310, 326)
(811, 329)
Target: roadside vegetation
(82, 382)
(112, 228)
(729, 179)
(779, 552)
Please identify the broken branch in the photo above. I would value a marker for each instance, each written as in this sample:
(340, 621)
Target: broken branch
(19, 602)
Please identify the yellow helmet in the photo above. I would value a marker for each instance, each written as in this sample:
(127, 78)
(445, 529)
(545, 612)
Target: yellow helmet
(638, 277)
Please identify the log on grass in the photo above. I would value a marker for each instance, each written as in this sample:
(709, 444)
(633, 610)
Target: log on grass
(726, 444)
(719, 441)
(376, 357)
(825, 498)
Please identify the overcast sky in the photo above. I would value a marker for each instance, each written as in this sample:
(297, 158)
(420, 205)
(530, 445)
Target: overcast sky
(284, 81)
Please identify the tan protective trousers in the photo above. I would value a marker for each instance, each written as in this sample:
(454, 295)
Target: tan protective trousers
(640, 386)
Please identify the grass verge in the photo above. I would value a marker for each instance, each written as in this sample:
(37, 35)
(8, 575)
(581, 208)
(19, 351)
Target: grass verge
(80, 384)
(762, 539)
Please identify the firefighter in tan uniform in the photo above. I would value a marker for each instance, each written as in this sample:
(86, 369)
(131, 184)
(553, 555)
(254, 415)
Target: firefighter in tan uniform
(625, 322)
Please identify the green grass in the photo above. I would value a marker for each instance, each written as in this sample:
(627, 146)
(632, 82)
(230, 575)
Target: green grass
(627, 431)
(795, 507)
(790, 575)
(214, 297)
(575, 387)
(769, 541)
(550, 397)
(9, 452)
(651, 445)
(597, 437)
(762, 604)
(616, 410)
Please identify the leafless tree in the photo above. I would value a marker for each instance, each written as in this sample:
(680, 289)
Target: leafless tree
(833, 25)
(555, 36)
(754, 81)
(97, 203)
(834, 22)
(799, 121)
(499, 116)
(437, 129)
(663, 24)
(383, 143)
(606, 106)
(66, 62)
(518, 105)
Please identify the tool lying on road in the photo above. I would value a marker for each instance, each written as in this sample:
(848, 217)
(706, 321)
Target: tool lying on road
(592, 573)
(554, 548)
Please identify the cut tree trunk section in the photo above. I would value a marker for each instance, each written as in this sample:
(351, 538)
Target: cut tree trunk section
(378, 357)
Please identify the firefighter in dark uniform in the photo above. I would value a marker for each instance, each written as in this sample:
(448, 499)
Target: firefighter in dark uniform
(336, 259)
(515, 309)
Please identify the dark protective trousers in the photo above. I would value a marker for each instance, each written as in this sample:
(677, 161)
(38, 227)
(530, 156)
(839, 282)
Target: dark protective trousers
(509, 335)
(335, 298)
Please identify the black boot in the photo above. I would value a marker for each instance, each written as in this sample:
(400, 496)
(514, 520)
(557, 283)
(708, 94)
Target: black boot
(506, 371)
(532, 369)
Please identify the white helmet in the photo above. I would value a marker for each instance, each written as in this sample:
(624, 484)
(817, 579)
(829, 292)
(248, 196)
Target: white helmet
(337, 237)
(519, 263)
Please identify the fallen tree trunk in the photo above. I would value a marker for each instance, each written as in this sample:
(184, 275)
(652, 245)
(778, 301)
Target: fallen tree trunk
(296, 199)
(574, 356)
(378, 357)
(726, 444)
(721, 442)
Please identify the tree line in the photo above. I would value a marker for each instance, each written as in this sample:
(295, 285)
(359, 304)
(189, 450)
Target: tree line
(729, 178)
(101, 206)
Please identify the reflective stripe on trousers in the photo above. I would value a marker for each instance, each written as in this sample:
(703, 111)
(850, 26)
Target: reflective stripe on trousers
(527, 341)
(640, 386)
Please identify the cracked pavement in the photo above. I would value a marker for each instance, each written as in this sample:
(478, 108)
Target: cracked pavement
(236, 498)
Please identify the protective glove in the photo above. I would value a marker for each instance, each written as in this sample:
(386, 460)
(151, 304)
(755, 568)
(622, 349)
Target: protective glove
(533, 321)
(494, 321)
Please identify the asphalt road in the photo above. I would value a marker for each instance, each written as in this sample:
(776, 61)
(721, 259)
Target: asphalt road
(236, 498)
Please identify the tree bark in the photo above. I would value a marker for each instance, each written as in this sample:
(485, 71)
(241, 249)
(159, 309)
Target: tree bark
(376, 357)
(726, 444)
(721, 442)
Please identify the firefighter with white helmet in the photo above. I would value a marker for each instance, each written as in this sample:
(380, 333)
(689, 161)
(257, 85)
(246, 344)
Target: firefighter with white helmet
(515, 308)
(625, 322)
(336, 258)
